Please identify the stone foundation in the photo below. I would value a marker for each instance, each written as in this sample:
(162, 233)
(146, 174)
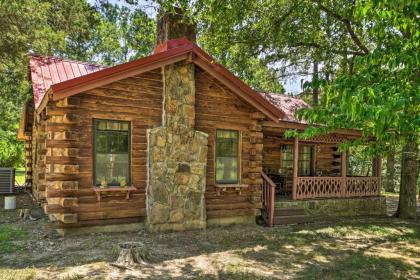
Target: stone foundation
(338, 207)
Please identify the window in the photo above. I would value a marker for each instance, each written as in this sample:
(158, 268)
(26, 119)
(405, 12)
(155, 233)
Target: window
(111, 151)
(304, 161)
(227, 160)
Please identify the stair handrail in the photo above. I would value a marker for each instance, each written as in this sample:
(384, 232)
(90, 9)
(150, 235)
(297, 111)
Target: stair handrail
(268, 197)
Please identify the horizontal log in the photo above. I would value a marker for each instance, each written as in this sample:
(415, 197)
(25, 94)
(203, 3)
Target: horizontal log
(112, 214)
(69, 202)
(76, 193)
(58, 224)
(231, 213)
(67, 218)
(96, 207)
(230, 206)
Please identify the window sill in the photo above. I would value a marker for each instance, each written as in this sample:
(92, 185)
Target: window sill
(225, 187)
(100, 191)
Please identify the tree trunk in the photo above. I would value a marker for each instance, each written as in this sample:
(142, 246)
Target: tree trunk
(390, 172)
(407, 204)
(315, 92)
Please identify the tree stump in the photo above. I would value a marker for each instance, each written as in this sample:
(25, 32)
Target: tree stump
(131, 253)
(25, 213)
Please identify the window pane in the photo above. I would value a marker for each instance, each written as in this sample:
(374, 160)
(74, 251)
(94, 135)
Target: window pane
(101, 142)
(112, 157)
(101, 125)
(227, 150)
(112, 168)
(227, 169)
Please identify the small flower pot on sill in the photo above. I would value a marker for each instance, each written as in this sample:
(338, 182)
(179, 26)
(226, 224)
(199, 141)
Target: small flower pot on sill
(123, 185)
(103, 186)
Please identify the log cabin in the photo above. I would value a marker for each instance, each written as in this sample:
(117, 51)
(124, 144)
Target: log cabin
(174, 141)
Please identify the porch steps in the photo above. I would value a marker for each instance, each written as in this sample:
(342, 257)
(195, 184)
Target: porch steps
(286, 216)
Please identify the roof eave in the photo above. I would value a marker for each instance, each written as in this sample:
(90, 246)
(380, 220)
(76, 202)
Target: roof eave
(119, 72)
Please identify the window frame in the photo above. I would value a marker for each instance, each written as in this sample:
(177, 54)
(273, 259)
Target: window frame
(129, 151)
(239, 158)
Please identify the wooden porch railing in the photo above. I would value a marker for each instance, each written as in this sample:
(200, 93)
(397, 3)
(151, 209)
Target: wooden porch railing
(324, 187)
(268, 198)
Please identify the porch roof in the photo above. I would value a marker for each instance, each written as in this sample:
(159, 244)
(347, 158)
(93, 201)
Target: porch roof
(286, 103)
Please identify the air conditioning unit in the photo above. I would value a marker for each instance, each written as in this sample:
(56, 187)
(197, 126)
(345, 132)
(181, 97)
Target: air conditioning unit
(7, 180)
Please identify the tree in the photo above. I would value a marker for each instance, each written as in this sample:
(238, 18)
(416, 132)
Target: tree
(68, 28)
(380, 96)
(390, 172)
(125, 33)
(215, 24)
(368, 51)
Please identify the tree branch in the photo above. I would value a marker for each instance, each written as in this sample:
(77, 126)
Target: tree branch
(318, 46)
(348, 25)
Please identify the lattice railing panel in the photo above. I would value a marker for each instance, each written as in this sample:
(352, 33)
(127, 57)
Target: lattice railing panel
(318, 187)
(362, 186)
(324, 187)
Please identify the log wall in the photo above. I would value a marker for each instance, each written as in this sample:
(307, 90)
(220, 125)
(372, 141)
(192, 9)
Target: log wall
(66, 159)
(70, 195)
(38, 153)
(217, 107)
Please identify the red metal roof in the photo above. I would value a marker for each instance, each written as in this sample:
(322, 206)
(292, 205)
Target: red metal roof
(46, 71)
(286, 103)
(65, 77)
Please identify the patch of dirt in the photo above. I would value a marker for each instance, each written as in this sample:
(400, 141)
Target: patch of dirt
(383, 247)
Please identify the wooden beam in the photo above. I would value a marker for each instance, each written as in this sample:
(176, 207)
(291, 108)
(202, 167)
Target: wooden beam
(378, 167)
(344, 173)
(302, 126)
(295, 166)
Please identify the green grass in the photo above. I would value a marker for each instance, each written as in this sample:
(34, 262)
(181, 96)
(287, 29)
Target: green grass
(20, 175)
(350, 248)
(11, 237)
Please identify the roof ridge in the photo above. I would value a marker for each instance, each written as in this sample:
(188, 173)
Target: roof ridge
(66, 59)
(281, 94)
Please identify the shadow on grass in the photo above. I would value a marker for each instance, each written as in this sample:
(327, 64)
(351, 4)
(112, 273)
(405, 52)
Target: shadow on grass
(307, 251)
(359, 266)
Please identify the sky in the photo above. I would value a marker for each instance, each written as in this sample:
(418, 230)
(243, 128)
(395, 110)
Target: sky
(291, 85)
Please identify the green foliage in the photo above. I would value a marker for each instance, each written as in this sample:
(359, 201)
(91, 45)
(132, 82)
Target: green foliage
(74, 29)
(225, 32)
(123, 34)
(381, 96)
(9, 235)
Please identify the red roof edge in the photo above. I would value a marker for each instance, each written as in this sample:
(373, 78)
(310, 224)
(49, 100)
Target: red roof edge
(125, 67)
(163, 52)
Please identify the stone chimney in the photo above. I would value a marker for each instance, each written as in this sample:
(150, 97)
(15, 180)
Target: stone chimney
(174, 26)
(177, 153)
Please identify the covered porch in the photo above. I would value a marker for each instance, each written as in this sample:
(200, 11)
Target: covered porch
(314, 169)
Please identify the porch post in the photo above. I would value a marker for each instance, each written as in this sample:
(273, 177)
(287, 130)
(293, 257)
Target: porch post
(344, 173)
(295, 167)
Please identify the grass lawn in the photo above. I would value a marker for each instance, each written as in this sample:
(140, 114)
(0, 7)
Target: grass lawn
(352, 248)
(20, 176)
